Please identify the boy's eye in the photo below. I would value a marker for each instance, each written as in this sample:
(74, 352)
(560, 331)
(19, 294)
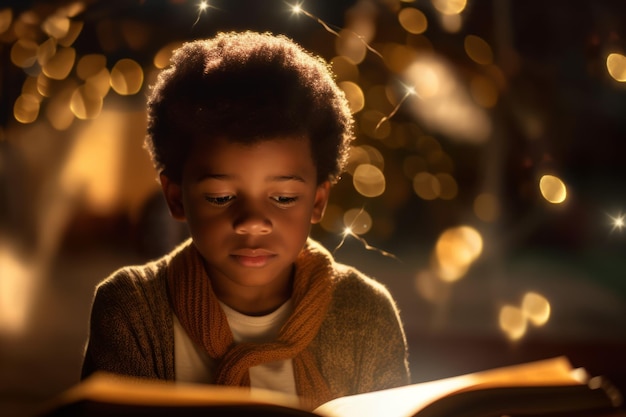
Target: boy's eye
(284, 200)
(220, 200)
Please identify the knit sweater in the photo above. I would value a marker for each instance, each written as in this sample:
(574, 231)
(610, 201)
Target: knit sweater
(360, 347)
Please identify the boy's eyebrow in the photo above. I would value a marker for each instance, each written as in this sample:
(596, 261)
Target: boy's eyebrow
(273, 178)
(280, 178)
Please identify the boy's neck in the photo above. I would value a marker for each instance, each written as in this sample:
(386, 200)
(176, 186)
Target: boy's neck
(253, 301)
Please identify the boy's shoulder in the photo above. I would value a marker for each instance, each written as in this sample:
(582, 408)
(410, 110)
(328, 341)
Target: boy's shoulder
(134, 279)
(354, 283)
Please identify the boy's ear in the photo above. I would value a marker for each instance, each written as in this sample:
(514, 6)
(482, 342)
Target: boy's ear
(321, 200)
(173, 196)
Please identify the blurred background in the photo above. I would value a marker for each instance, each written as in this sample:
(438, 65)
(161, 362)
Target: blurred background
(486, 188)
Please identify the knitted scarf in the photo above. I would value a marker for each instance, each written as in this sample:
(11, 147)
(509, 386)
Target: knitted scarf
(196, 306)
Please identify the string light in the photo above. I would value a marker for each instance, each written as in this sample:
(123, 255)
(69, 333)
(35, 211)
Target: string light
(297, 9)
(348, 231)
(409, 92)
(202, 7)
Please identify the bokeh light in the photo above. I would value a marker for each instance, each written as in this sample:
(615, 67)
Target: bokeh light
(450, 7)
(6, 18)
(354, 95)
(59, 66)
(487, 207)
(455, 251)
(26, 108)
(24, 53)
(413, 20)
(126, 77)
(162, 57)
(536, 308)
(478, 50)
(85, 105)
(513, 322)
(426, 186)
(369, 180)
(552, 189)
(350, 46)
(616, 65)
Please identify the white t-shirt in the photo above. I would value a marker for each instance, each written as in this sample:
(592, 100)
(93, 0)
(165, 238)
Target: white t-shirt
(192, 364)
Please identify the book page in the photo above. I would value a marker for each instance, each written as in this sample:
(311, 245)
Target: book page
(406, 401)
(115, 389)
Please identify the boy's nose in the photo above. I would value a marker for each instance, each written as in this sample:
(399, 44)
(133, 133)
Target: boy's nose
(252, 222)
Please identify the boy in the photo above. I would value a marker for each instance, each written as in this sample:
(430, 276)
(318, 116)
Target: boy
(248, 131)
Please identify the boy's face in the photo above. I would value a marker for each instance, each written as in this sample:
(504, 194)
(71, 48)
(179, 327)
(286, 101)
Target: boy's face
(249, 208)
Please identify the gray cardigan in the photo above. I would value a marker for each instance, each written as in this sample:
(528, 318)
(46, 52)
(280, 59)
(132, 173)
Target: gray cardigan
(360, 347)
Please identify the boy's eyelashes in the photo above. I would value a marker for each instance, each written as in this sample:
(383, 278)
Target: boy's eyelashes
(223, 200)
(220, 200)
(284, 200)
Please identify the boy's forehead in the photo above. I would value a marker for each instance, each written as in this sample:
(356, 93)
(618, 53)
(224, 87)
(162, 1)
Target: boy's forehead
(227, 155)
(283, 143)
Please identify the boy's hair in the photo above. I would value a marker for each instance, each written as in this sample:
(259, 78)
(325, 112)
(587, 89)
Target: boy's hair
(247, 87)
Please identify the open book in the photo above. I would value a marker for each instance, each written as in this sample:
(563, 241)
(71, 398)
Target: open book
(541, 388)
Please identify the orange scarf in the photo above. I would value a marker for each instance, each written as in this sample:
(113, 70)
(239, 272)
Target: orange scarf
(200, 314)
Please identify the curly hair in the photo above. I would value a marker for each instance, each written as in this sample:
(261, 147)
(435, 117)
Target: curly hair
(247, 87)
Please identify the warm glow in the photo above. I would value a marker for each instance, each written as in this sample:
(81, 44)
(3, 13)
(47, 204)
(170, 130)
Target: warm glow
(425, 78)
(16, 290)
(616, 65)
(442, 102)
(552, 189)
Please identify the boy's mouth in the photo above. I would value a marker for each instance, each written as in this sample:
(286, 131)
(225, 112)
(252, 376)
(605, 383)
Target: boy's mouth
(252, 258)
